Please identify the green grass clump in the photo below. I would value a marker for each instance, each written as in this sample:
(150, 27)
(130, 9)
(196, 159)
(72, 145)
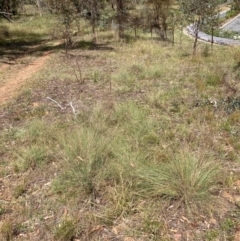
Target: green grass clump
(10, 229)
(115, 160)
(7, 231)
(19, 190)
(185, 178)
(65, 231)
(85, 153)
(33, 157)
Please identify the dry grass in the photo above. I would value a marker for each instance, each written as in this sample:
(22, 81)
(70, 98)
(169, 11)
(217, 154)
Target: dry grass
(115, 167)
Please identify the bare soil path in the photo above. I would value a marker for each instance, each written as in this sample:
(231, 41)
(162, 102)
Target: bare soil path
(11, 79)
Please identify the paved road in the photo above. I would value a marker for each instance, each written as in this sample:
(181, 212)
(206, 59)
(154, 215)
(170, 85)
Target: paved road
(207, 37)
(217, 40)
(233, 25)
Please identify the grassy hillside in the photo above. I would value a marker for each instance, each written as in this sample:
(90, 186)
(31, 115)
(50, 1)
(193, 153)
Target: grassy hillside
(124, 141)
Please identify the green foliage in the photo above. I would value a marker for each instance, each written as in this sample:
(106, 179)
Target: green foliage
(10, 229)
(221, 33)
(85, 153)
(214, 79)
(7, 231)
(211, 235)
(2, 209)
(117, 159)
(33, 156)
(228, 225)
(121, 198)
(206, 51)
(236, 5)
(197, 11)
(65, 231)
(153, 226)
(185, 178)
(19, 190)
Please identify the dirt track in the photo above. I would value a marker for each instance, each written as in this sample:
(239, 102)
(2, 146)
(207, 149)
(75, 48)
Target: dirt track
(15, 79)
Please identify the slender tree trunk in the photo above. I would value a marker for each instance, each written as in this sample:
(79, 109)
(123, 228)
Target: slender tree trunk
(120, 9)
(39, 7)
(196, 35)
(212, 40)
(173, 32)
(181, 36)
(93, 31)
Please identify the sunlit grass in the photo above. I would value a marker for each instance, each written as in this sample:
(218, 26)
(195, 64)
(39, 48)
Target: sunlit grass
(184, 178)
(25, 30)
(145, 137)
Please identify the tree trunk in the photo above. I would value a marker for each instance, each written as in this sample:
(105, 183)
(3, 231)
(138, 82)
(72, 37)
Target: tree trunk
(39, 7)
(120, 10)
(196, 36)
(181, 36)
(212, 40)
(94, 31)
(173, 32)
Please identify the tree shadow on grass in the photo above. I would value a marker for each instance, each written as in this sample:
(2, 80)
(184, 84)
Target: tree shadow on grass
(91, 45)
(20, 44)
(16, 44)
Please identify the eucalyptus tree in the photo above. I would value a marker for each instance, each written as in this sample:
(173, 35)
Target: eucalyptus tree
(121, 15)
(121, 11)
(196, 13)
(70, 13)
(175, 20)
(91, 10)
(160, 13)
(212, 17)
(66, 12)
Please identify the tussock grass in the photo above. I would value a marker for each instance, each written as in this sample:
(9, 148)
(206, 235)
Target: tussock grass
(85, 153)
(65, 231)
(33, 156)
(117, 164)
(185, 178)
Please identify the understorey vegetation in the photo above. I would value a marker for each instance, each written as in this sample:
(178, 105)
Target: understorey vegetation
(131, 139)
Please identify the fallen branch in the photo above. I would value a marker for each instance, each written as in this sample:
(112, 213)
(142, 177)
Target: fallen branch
(62, 108)
(5, 13)
(7, 16)
(73, 109)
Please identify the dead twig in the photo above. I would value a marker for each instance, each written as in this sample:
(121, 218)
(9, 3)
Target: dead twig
(5, 13)
(73, 109)
(62, 108)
